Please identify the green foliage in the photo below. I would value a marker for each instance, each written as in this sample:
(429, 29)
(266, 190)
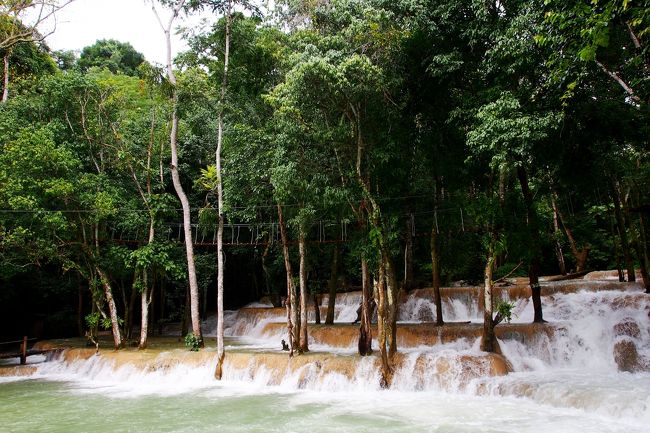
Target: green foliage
(117, 57)
(504, 309)
(356, 116)
(95, 320)
(193, 342)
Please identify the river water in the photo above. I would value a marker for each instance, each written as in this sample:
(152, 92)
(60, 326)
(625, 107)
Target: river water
(569, 382)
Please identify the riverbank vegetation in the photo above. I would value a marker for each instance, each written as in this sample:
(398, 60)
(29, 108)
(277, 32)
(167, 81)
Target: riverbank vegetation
(321, 146)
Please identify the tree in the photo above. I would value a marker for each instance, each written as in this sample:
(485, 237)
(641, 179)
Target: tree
(19, 22)
(176, 8)
(605, 36)
(117, 57)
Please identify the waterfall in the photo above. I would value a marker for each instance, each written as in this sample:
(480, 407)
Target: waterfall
(593, 355)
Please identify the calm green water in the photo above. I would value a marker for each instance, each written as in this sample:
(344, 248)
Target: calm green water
(43, 406)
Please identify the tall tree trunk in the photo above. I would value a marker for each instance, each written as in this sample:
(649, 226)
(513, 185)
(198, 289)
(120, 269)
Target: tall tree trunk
(265, 268)
(145, 301)
(147, 292)
(220, 346)
(408, 255)
(178, 187)
(332, 286)
(382, 337)
(582, 255)
(556, 234)
(112, 308)
(622, 231)
(643, 266)
(533, 267)
(392, 291)
(144, 313)
(292, 313)
(5, 76)
(302, 250)
(488, 340)
(642, 253)
(365, 332)
(435, 271)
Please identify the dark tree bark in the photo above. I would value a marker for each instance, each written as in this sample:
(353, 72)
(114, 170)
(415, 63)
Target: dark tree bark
(408, 255)
(382, 337)
(293, 325)
(332, 286)
(488, 340)
(435, 273)
(365, 332)
(302, 272)
(533, 267)
(112, 308)
(622, 231)
(392, 291)
(556, 231)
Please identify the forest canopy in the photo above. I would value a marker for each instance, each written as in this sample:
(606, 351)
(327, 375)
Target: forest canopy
(412, 139)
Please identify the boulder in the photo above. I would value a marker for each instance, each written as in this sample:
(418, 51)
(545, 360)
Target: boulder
(627, 356)
(628, 327)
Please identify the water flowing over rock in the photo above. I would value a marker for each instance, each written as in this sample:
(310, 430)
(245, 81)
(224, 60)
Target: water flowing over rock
(593, 354)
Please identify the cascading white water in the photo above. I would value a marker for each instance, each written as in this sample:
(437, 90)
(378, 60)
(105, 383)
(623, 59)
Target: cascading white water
(572, 372)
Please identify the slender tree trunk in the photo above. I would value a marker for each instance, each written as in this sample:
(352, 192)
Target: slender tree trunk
(392, 291)
(187, 229)
(435, 271)
(488, 341)
(5, 77)
(145, 302)
(582, 255)
(557, 233)
(265, 268)
(642, 253)
(382, 337)
(178, 187)
(292, 313)
(365, 332)
(533, 267)
(622, 231)
(112, 308)
(220, 346)
(144, 314)
(643, 268)
(332, 286)
(408, 255)
(302, 249)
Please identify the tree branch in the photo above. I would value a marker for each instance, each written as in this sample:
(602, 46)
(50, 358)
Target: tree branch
(620, 81)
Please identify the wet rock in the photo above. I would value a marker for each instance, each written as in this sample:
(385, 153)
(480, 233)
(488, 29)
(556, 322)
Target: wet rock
(17, 370)
(628, 327)
(609, 275)
(425, 314)
(627, 356)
